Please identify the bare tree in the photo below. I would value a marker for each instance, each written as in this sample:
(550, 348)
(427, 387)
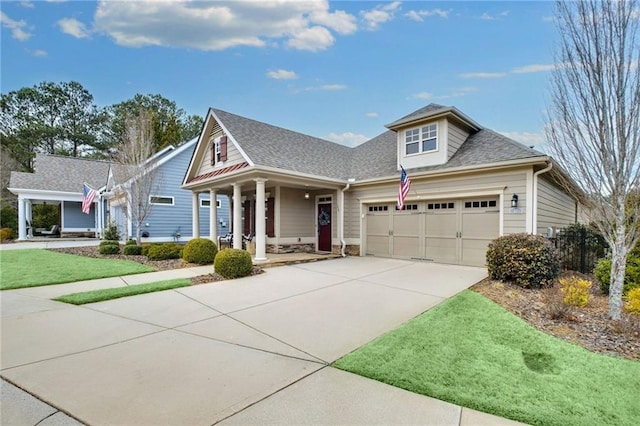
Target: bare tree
(136, 174)
(594, 119)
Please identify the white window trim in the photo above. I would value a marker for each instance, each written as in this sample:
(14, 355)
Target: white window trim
(218, 204)
(421, 139)
(217, 151)
(173, 200)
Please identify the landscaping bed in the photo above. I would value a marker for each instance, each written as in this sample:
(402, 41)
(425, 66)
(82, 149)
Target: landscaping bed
(588, 327)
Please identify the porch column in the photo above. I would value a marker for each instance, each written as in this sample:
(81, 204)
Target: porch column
(22, 220)
(195, 223)
(261, 241)
(29, 217)
(237, 216)
(213, 216)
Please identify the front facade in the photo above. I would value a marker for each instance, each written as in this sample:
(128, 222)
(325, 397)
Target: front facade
(469, 185)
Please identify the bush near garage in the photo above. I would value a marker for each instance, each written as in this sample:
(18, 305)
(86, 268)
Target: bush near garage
(529, 261)
(602, 272)
(233, 263)
(200, 250)
(109, 247)
(164, 251)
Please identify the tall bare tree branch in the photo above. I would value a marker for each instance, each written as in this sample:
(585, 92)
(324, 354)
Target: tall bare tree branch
(594, 119)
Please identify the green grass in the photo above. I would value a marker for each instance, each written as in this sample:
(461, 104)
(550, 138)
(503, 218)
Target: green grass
(118, 292)
(35, 267)
(472, 352)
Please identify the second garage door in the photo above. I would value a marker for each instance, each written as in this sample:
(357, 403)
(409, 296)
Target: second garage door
(447, 231)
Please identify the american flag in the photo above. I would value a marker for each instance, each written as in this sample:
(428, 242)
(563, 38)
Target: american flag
(88, 195)
(405, 186)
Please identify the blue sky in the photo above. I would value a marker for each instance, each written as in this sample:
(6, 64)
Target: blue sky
(336, 70)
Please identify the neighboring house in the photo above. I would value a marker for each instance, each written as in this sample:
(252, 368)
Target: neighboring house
(59, 180)
(170, 214)
(469, 186)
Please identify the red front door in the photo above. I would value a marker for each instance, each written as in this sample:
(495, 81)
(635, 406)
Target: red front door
(324, 227)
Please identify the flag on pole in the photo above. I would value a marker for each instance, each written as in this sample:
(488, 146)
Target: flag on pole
(403, 190)
(88, 195)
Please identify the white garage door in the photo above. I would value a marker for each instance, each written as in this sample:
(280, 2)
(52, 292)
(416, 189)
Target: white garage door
(447, 231)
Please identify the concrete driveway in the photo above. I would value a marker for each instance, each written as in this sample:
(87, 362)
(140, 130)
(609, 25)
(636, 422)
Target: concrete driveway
(248, 351)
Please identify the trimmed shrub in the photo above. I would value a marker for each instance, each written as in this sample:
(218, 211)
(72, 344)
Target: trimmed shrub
(632, 299)
(111, 231)
(529, 261)
(132, 250)
(6, 234)
(109, 247)
(575, 291)
(131, 243)
(9, 219)
(233, 263)
(602, 272)
(200, 250)
(164, 251)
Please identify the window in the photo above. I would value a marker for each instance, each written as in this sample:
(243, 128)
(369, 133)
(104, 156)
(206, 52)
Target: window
(159, 199)
(408, 207)
(216, 151)
(207, 203)
(219, 150)
(378, 208)
(421, 139)
(441, 206)
(480, 204)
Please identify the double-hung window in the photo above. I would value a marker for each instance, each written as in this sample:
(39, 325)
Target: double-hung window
(421, 139)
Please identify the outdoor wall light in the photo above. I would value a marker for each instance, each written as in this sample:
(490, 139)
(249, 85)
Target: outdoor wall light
(306, 195)
(514, 200)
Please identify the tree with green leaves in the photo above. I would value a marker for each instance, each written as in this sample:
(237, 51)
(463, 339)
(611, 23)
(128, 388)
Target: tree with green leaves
(594, 120)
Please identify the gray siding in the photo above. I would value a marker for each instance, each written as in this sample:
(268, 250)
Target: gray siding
(555, 207)
(165, 220)
(456, 137)
(296, 214)
(74, 218)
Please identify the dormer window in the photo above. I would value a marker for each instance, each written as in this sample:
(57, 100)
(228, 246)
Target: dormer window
(421, 139)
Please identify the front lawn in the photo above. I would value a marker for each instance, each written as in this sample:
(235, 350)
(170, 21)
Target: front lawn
(472, 352)
(118, 292)
(35, 267)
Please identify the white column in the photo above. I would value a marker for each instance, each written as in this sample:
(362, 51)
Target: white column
(22, 220)
(195, 216)
(261, 240)
(237, 216)
(213, 216)
(29, 217)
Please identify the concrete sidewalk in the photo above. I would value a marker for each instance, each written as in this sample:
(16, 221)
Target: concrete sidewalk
(249, 351)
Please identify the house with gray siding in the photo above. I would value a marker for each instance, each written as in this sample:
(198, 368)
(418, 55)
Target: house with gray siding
(59, 180)
(295, 192)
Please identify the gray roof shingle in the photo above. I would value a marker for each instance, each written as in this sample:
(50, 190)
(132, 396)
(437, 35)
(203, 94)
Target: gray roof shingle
(63, 174)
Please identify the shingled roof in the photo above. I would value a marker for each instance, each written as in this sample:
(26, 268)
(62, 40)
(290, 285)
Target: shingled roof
(61, 174)
(272, 146)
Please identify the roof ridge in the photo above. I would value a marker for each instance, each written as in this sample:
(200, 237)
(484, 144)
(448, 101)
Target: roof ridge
(73, 158)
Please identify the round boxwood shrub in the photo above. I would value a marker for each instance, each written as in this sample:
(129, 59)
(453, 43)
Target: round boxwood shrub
(6, 234)
(200, 250)
(164, 251)
(529, 261)
(109, 247)
(132, 249)
(233, 263)
(602, 272)
(131, 243)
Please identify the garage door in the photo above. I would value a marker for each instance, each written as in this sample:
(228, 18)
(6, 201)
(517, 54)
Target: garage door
(447, 231)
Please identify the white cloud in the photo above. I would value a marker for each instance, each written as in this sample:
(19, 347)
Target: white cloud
(487, 17)
(17, 27)
(282, 75)
(482, 75)
(379, 15)
(27, 4)
(39, 53)
(527, 69)
(372, 114)
(324, 87)
(347, 138)
(73, 27)
(419, 15)
(212, 25)
(333, 87)
(454, 93)
(423, 95)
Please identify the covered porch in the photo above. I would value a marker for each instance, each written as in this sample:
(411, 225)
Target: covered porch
(278, 213)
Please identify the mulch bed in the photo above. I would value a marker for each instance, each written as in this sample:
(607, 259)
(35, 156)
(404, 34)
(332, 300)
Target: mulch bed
(588, 327)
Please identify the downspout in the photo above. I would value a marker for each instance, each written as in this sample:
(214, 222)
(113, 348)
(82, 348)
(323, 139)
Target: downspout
(342, 242)
(534, 222)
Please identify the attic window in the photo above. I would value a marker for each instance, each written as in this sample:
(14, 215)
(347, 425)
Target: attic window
(219, 150)
(421, 139)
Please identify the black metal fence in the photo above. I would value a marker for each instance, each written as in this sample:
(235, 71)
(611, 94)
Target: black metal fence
(580, 248)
